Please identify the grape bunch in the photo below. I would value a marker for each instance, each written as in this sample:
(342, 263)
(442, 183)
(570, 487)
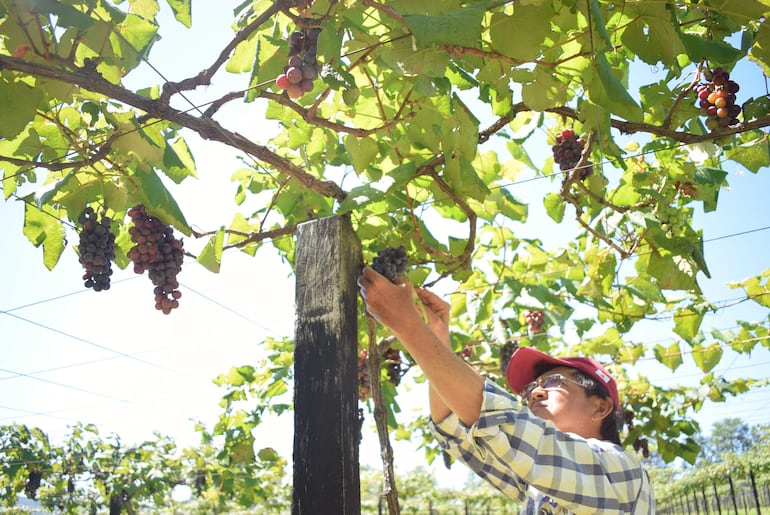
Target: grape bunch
(32, 485)
(159, 253)
(96, 249)
(364, 381)
(391, 262)
(303, 68)
(467, 352)
(640, 444)
(506, 351)
(535, 320)
(672, 219)
(392, 361)
(567, 152)
(716, 99)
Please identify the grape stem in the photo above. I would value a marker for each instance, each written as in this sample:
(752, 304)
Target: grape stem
(374, 362)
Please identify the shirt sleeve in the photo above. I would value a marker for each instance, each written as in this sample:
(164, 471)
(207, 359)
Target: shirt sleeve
(526, 457)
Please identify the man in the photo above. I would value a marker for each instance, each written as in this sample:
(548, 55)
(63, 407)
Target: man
(554, 455)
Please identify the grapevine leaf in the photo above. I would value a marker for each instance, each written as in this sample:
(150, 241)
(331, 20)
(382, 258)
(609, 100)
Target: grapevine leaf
(239, 228)
(360, 196)
(425, 61)
(687, 323)
(211, 254)
(754, 155)
(672, 272)
(18, 104)
(707, 357)
(329, 43)
(653, 38)
(242, 452)
(462, 176)
(755, 108)
(670, 356)
(554, 206)
(243, 57)
(178, 161)
(182, 11)
(699, 48)
(520, 35)
(544, 91)
(757, 290)
(268, 454)
(66, 15)
(458, 28)
(42, 227)
(159, 202)
(612, 94)
(45, 194)
(362, 151)
(760, 50)
(599, 26)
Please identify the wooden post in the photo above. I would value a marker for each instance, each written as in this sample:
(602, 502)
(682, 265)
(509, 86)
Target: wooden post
(732, 493)
(754, 491)
(326, 427)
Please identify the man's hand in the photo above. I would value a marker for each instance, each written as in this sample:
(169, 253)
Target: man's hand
(390, 304)
(437, 310)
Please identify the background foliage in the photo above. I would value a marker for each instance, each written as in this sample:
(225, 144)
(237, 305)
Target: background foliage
(424, 115)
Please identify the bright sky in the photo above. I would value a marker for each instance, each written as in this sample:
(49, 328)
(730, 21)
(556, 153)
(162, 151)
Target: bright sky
(68, 354)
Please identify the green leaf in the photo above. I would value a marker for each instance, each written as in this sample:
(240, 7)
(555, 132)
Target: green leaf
(211, 254)
(242, 452)
(159, 202)
(66, 15)
(652, 36)
(461, 27)
(362, 151)
(687, 323)
(598, 25)
(672, 272)
(717, 52)
(614, 96)
(182, 10)
(554, 206)
(178, 161)
(521, 34)
(670, 356)
(18, 105)
(42, 228)
(545, 90)
(242, 59)
(707, 357)
(754, 156)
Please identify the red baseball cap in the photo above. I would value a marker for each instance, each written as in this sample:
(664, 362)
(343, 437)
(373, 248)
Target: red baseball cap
(521, 370)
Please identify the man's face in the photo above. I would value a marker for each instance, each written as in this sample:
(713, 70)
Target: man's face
(566, 405)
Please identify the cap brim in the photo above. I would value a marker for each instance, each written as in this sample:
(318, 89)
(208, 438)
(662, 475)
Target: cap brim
(521, 367)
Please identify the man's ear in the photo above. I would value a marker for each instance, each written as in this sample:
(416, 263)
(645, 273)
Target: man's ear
(602, 407)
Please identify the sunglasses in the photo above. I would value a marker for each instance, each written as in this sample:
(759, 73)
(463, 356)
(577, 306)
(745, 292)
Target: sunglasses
(548, 382)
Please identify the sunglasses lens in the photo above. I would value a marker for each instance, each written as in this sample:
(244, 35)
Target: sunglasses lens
(553, 381)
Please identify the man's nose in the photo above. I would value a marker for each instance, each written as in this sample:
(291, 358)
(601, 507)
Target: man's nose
(539, 393)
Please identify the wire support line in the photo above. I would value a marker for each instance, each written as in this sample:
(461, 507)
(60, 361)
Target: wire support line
(678, 377)
(104, 348)
(63, 385)
(53, 413)
(59, 297)
(110, 358)
(229, 309)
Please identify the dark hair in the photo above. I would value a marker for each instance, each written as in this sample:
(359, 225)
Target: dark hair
(611, 424)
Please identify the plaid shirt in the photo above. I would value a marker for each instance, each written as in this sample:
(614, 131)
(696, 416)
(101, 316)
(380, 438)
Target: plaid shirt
(545, 469)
